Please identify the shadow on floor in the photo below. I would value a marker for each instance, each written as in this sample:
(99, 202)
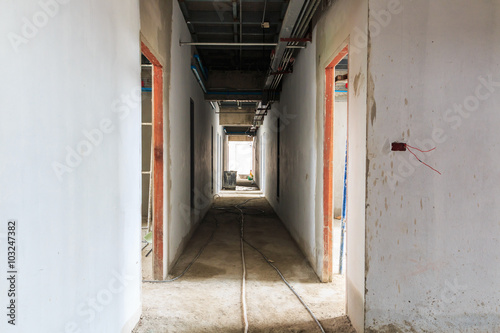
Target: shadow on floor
(208, 297)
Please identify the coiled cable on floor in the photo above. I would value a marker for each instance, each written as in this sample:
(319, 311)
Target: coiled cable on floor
(192, 261)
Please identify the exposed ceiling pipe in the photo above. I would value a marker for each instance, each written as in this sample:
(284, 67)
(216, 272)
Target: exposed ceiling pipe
(292, 15)
(235, 17)
(299, 31)
(203, 71)
(241, 30)
(287, 54)
(215, 22)
(234, 44)
(198, 77)
(284, 55)
(264, 13)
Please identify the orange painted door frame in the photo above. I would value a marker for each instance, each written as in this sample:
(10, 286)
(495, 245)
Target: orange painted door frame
(157, 167)
(327, 271)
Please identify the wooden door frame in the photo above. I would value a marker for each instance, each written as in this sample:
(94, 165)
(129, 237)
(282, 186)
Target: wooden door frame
(157, 167)
(327, 271)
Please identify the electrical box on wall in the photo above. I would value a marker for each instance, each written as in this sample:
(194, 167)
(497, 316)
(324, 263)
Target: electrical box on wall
(398, 146)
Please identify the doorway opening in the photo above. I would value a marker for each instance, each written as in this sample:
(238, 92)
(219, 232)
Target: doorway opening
(191, 152)
(220, 159)
(152, 163)
(335, 165)
(239, 174)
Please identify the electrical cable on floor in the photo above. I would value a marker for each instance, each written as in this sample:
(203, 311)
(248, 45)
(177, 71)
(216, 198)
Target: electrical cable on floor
(289, 286)
(192, 261)
(242, 239)
(243, 280)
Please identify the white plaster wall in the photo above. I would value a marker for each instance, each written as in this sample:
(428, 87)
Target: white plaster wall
(162, 27)
(302, 105)
(433, 241)
(78, 235)
(346, 21)
(296, 111)
(183, 86)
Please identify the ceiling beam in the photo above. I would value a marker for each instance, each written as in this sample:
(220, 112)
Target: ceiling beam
(235, 80)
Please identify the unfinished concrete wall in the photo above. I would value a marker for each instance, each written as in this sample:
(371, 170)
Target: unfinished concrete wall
(162, 27)
(71, 164)
(301, 110)
(183, 87)
(432, 240)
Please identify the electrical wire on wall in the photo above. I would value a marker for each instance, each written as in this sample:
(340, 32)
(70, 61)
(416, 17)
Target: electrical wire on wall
(422, 151)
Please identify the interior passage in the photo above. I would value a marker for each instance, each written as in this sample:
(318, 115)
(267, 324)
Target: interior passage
(208, 298)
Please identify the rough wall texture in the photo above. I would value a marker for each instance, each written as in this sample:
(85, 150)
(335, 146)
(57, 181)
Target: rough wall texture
(301, 110)
(432, 240)
(162, 27)
(184, 87)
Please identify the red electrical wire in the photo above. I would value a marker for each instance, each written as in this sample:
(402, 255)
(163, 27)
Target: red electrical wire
(420, 150)
(408, 147)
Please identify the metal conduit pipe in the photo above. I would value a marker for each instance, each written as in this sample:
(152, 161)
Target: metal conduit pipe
(195, 71)
(295, 28)
(305, 21)
(300, 18)
(309, 18)
(299, 29)
(234, 44)
(298, 32)
(241, 29)
(226, 44)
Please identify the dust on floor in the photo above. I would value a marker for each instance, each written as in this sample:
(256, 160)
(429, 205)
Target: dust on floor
(208, 297)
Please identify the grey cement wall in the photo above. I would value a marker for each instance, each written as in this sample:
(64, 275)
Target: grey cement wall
(71, 163)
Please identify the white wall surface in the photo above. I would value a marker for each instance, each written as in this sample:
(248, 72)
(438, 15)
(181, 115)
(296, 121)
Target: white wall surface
(296, 111)
(346, 21)
(162, 27)
(183, 86)
(302, 107)
(71, 162)
(433, 240)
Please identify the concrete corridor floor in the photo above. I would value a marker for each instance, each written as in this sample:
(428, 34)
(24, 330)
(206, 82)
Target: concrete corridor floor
(208, 297)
